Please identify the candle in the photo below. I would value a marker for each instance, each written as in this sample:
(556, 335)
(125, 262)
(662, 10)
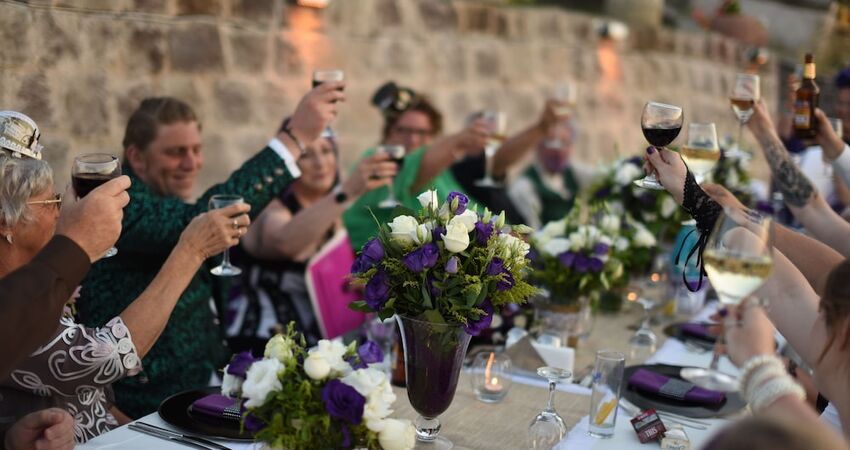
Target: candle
(491, 383)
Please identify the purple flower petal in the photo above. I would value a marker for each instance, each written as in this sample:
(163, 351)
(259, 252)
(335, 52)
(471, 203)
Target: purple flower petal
(371, 254)
(582, 263)
(601, 248)
(370, 353)
(474, 327)
(462, 201)
(343, 402)
(452, 265)
(567, 259)
(596, 264)
(422, 258)
(240, 363)
(483, 231)
(377, 290)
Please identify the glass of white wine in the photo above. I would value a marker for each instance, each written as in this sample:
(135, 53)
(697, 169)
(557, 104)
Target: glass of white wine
(567, 96)
(702, 151)
(497, 123)
(744, 96)
(738, 259)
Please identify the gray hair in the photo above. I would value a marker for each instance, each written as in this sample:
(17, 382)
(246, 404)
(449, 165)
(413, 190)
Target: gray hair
(20, 179)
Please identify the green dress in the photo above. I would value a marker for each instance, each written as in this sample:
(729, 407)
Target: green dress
(191, 347)
(360, 224)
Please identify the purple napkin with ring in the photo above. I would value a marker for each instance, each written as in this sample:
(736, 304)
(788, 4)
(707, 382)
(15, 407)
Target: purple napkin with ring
(674, 388)
(697, 330)
(214, 405)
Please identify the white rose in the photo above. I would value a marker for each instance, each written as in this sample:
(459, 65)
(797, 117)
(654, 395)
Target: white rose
(231, 385)
(429, 199)
(627, 173)
(469, 218)
(375, 387)
(622, 244)
(456, 238)
(260, 381)
(557, 246)
(397, 435)
(326, 358)
(279, 347)
(643, 238)
(403, 229)
(610, 223)
(668, 206)
(316, 367)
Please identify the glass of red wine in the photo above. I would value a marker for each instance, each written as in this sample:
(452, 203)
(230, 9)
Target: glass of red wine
(396, 153)
(661, 124)
(89, 171)
(321, 76)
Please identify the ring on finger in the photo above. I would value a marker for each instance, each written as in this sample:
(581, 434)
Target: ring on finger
(235, 224)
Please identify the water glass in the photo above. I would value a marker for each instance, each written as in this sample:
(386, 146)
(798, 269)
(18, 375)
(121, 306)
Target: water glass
(605, 394)
(225, 269)
(491, 376)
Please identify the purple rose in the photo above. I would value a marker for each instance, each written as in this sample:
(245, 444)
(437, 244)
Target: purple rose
(370, 353)
(495, 267)
(596, 264)
(462, 201)
(474, 327)
(378, 290)
(372, 254)
(451, 265)
(343, 402)
(582, 263)
(252, 423)
(240, 363)
(601, 249)
(422, 258)
(567, 259)
(483, 231)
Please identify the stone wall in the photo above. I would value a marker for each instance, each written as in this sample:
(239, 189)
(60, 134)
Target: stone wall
(78, 67)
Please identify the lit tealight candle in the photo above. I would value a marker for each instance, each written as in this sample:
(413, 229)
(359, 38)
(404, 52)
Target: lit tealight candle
(491, 383)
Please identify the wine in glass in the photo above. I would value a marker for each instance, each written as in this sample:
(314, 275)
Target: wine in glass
(567, 95)
(738, 259)
(89, 171)
(744, 95)
(225, 269)
(660, 123)
(497, 123)
(321, 76)
(396, 153)
(548, 428)
(701, 152)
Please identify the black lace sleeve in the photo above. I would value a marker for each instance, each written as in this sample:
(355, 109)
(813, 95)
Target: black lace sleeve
(705, 211)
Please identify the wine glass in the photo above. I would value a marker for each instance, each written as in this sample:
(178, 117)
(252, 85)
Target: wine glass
(548, 428)
(650, 293)
(567, 95)
(702, 151)
(321, 76)
(743, 98)
(225, 269)
(661, 124)
(738, 259)
(497, 123)
(89, 171)
(396, 153)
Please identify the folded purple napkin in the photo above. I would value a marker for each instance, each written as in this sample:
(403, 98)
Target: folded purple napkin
(213, 405)
(697, 330)
(655, 383)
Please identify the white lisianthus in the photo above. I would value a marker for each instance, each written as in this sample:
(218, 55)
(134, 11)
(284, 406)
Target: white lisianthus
(422, 235)
(428, 199)
(375, 387)
(578, 240)
(469, 218)
(627, 173)
(643, 238)
(398, 434)
(326, 358)
(403, 229)
(610, 223)
(557, 246)
(231, 385)
(279, 347)
(316, 367)
(668, 206)
(261, 380)
(621, 244)
(554, 228)
(456, 238)
(513, 247)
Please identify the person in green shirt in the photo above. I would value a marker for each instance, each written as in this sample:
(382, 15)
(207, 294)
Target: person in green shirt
(163, 157)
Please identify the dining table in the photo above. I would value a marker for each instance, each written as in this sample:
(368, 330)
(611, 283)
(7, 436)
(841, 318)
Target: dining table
(473, 425)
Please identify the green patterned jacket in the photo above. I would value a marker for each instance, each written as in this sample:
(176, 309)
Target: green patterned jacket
(191, 347)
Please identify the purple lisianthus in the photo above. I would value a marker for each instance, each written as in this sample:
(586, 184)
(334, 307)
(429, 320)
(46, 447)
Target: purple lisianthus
(343, 402)
(495, 267)
(252, 423)
(603, 192)
(240, 363)
(601, 248)
(370, 353)
(474, 327)
(582, 263)
(462, 201)
(437, 233)
(422, 258)
(567, 258)
(377, 290)
(483, 231)
(372, 254)
(430, 281)
(596, 264)
(506, 282)
(452, 265)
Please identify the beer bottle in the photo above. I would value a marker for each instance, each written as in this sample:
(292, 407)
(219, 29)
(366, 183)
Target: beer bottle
(806, 101)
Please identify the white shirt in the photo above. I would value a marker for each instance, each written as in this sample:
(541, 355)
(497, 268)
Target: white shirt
(525, 199)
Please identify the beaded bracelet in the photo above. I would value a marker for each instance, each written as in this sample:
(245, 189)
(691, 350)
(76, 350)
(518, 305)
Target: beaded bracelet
(761, 376)
(753, 363)
(775, 389)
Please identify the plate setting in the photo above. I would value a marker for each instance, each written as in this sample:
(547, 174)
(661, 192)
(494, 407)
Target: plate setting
(177, 411)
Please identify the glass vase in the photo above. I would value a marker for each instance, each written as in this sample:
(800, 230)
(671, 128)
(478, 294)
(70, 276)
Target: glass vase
(569, 322)
(433, 357)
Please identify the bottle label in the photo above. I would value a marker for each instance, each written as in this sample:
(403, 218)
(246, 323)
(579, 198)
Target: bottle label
(809, 71)
(802, 115)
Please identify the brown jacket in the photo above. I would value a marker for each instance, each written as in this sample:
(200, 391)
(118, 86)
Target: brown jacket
(32, 299)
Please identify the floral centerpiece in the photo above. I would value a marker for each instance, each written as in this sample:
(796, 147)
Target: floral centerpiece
(444, 272)
(327, 397)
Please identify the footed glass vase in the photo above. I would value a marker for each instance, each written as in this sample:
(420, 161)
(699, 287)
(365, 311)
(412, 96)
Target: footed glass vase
(433, 357)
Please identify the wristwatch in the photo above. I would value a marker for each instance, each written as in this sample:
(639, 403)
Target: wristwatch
(339, 195)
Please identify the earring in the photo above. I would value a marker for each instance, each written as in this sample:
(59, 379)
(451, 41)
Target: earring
(9, 238)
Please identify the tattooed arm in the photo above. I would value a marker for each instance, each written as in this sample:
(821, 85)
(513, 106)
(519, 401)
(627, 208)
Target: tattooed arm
(807, 204)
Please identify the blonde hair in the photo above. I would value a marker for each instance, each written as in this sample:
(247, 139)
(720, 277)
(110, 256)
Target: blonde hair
(20, 179)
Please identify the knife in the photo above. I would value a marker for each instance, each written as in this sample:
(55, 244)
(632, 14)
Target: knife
(188, 439)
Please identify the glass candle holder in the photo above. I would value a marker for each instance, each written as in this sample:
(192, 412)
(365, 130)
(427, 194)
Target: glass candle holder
(491, 376)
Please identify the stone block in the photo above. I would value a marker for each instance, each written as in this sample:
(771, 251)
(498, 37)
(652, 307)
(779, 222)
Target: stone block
(388, 13)
(147, 50)
(33, 99)
(15, 25)
(102, 5)
(399, 58)
(128, 100)
(487, 63)
(256, 10)
(438, 15)
(61, 37)
(151, 6)
(249, 50)
(233, 101)
(287, 61)
(196, 48)
(185, 88)
(87, 108)
(198, 7)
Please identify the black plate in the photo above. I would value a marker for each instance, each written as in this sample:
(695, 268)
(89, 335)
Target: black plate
(177, 411)
(733, 402)
(675, 330)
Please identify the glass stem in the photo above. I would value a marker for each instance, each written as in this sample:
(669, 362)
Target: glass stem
(715, 358)
(391, 196)
(646, 319)
(488, 161)
(550, 407)
(226, 259)
(740, 134)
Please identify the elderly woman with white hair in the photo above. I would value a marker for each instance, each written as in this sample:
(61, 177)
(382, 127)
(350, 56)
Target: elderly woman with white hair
(75, 368)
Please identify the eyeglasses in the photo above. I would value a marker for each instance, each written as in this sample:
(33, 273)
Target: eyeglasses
(423, 132)
(56, 201)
